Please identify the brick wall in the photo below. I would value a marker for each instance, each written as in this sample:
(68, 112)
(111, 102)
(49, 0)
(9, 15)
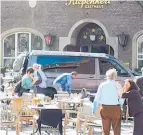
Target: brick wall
(56, 18)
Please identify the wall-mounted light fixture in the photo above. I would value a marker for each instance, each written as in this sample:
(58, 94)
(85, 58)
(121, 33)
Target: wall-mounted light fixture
(32, 3)
(49, 39)
(123, 39)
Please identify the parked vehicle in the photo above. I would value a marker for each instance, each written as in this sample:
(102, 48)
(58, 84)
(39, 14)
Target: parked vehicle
(91, 67)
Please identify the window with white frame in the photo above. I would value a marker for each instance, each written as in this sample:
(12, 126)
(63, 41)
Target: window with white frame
(140, 55)
(16, 43)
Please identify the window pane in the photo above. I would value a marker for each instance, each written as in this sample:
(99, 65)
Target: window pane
(66, 64)
(86, 66)
(9, 46)
(18, 64)
(140, 48)
(36, 42)
(140, 64)
(106, 64)
(140, 56)
(8, 63)
(85, 49)
(23, 42)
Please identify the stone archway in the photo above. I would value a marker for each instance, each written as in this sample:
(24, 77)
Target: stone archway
(137, 38)
(71, 39)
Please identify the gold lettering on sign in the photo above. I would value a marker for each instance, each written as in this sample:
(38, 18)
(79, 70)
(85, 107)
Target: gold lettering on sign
(88, 3)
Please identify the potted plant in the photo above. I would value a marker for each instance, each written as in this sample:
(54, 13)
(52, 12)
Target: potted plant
(3, 70)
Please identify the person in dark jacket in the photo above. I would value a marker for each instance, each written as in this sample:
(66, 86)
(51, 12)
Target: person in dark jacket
(131, 93)
(139, 83)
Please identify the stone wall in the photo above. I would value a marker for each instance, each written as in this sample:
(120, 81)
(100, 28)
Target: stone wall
(57, 19)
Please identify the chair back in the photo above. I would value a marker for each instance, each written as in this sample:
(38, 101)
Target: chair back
(87, 108)
(27, 100)
(16, 105)
(61, 96)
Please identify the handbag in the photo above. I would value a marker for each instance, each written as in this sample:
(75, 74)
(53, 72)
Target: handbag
(39, 79)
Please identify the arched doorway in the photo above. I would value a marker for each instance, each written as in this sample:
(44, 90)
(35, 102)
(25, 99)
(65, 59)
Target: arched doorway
(71, 39)
(91, 38)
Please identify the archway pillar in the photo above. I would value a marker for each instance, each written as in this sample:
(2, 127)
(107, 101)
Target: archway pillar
(64, 41)
(113, 42)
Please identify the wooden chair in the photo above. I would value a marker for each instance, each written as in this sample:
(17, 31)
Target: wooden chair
(86, 121)
(26, 114)
(11, 112)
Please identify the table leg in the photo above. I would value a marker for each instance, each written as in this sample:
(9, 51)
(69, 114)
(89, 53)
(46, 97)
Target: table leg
(90, 131)
(17, 126)
(34, 124)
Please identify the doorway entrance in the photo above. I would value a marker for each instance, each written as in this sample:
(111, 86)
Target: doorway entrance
(98, 49)
(91, 38)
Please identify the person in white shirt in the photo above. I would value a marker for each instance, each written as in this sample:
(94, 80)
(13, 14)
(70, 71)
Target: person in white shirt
(107, 96)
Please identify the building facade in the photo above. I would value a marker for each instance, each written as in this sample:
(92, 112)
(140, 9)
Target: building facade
(116, 29)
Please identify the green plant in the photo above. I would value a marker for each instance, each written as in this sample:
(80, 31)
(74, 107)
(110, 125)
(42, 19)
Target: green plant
(3, 69)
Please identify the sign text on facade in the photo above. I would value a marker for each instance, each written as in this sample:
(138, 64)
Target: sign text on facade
(88, 3)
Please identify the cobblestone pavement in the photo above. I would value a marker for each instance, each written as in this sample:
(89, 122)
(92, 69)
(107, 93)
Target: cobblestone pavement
(126, 129)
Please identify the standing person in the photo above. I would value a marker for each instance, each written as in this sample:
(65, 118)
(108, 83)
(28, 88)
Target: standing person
(110, 111)
(28, 81)
(63, 82)
(139, 83)
(135, 105)
(42, 83)
(38, 73)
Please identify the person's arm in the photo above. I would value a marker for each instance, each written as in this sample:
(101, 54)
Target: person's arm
(97, 99)
(26, 82)
(138, 82)
(68, 84)
(129, 94)
(120, 91)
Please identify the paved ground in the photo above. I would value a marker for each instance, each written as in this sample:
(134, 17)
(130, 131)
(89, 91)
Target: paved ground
(126, 129)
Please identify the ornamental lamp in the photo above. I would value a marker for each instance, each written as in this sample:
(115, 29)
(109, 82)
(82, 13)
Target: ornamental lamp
(123, 39)
(48, 39)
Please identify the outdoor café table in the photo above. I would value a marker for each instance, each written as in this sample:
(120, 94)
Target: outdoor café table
(39, 108)
(74, 102)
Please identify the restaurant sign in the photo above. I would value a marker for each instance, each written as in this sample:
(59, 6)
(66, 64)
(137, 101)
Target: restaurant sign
(88, 3)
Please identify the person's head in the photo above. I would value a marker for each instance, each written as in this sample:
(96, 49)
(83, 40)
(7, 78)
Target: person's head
(74, 74)
(130, 85)
(111, 74)
(36, 66)
(30, 71)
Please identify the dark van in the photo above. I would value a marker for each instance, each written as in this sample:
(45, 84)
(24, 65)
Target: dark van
(91, 67)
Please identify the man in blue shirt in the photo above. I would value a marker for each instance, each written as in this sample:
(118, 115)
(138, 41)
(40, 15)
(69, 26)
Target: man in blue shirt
(63, 82)
(107, 96)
